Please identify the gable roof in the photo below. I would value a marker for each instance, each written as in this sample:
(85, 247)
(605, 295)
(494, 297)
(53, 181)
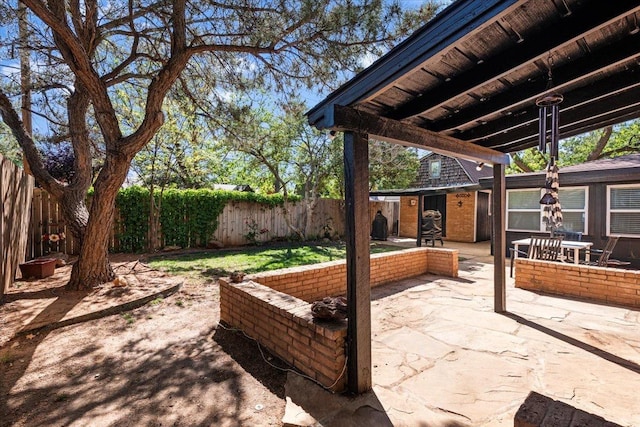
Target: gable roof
(471, 169)
(467, 166)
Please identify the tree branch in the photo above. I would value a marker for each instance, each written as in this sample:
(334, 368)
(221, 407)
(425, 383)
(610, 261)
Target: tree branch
(12, 120)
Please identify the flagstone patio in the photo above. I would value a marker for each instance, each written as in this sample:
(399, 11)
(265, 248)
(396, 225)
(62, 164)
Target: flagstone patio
(442, 357)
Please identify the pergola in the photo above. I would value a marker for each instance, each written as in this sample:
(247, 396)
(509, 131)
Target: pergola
(465, 85)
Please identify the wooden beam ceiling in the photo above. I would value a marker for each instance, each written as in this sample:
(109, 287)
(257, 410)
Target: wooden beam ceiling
(475, 71)
(468, 16)
(623, 53)
(573, 28)
(383, 129)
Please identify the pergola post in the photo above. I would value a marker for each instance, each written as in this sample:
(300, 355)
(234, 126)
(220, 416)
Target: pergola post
(420, 208)
(356, 174)
(499, 239)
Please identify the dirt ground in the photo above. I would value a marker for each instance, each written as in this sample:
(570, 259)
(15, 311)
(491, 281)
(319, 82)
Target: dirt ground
(167, 363)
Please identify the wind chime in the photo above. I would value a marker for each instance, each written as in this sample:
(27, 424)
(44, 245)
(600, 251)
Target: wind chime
(548, 113)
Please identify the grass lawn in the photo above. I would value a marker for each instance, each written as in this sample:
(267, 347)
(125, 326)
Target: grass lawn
(255, 259)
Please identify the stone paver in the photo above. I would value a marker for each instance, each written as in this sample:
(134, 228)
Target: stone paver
(442, 357)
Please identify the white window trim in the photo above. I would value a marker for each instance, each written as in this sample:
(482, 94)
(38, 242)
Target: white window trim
(542, 227)
(508, 211)
(585, 210)
(610, 211)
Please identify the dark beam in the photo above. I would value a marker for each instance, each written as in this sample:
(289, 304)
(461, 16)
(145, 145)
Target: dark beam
(380, 128)
(499, 195)
(574, 122)
(420, 210)
(615, 85)
(615, 55)
(613, 119)
(356, 176)
(576, 178)
(536, 47)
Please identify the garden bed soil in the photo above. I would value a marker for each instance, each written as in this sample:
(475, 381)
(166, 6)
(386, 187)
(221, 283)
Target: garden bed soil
(165, 363)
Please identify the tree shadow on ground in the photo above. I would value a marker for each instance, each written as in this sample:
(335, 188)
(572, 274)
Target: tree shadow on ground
(22, 354)
(246, 352)
(39, 294)
(140, 385)
(389, 289)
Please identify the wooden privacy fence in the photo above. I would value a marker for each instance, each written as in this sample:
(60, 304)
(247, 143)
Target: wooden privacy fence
(237, 220)
(16, 192)
(47, 222)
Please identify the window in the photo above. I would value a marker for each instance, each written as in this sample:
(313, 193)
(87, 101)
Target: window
(623, 210)
(574, 208)
(434, 168)
(524, 211)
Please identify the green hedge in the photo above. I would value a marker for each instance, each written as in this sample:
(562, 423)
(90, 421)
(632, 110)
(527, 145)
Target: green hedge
(133, 223)
(188, 218)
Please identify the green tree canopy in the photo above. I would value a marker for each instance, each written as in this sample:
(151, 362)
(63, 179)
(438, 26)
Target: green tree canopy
(613, 141)
(84, 53)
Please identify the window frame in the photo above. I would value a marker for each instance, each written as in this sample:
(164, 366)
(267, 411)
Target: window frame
(540, 210)
(610, 211)
(435, 165)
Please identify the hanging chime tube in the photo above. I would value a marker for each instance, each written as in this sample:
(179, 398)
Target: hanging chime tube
(554, 130)
(542, 129)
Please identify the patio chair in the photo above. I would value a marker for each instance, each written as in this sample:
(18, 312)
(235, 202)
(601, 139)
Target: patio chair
(542, 248)
(573, 236)
(604, 254)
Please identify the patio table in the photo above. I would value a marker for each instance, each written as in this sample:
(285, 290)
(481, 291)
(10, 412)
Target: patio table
(565, 245)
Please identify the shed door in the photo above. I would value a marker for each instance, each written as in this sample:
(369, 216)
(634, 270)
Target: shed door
(483, 226)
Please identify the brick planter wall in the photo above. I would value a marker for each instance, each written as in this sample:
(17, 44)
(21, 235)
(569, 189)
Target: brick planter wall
(611, 285)
(277, 310)
(314, 282)
(284, 325)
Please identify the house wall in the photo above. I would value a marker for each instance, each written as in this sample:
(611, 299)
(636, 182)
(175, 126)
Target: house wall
(627, 248)
(603, 284)
(461, 217)
(408, 226)
(461, 220)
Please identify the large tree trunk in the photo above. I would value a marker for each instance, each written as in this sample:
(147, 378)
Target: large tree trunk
(93, 267)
